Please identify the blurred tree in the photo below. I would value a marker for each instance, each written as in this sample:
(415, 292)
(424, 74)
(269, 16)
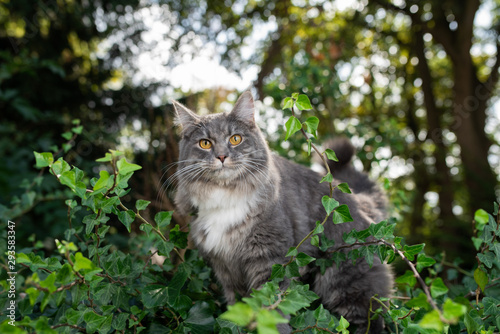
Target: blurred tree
(50, 75)
(409, 81)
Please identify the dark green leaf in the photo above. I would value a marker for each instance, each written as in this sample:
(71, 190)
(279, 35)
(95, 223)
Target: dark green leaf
(141, 204)
(163, 218)
(278, 271)
(178, 237)
(487, 258)
(344, 187)
(342, 215)
(304, 259)
(292, 251)
(490, 306)
(127, 218)
(200, 318)
(292, 270)
(154, 295)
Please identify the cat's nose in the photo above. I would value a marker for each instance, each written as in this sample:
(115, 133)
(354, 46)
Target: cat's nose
(222, 158)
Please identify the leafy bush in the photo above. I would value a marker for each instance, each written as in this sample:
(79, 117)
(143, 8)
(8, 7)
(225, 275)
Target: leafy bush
(89, 285)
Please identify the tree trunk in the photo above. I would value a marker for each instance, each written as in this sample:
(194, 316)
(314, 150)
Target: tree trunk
(469, 114)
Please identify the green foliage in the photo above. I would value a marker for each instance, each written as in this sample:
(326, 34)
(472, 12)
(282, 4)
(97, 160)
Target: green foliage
(89, 285)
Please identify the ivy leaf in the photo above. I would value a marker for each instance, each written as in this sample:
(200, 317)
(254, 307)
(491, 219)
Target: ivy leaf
(419, 301)
(239, 313)
(287, 103)
(344, 187)
(292, 251)
(267, 321)
(407, 278)
(481, 218)
(315, 240)
(278, 271)
(293, 302)
(303, 102)
(178, 237)
(319, 228)
(68, 179)
(481, 278)
(329, 204)
(487, 258)
(107, 157)
(471, 324)
(438, 288)
(103, 180)
(424, 261)
(342, 215)
(411, 251)
(304, 259)
(342, 327)
(67, 135)
(490, 306)
(125, 167)
(154, 295)
(200, 318)
(432, 321)
(163, 218)
(292, 125)
(141, 204)
(327, 178)
(127, 217)
(330, 154)
(311, 125)
(377, 230)
(292, 270)
(77, 130)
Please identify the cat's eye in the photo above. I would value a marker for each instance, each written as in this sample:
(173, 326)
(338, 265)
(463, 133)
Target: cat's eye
(235, 139)
(205, 144)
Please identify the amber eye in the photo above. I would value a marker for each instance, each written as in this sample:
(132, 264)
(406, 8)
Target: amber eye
(235, 139)
(205, 144)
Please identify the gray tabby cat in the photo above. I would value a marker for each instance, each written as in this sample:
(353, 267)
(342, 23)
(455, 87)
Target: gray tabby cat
(250, 206)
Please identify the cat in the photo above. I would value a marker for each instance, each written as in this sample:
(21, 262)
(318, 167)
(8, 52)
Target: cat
(250, 206)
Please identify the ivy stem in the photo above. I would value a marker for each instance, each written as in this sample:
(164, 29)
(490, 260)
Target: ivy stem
(419, 278)
(325, 162)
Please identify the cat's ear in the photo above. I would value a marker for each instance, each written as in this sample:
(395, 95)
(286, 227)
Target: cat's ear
(244, 109)
(183, 116)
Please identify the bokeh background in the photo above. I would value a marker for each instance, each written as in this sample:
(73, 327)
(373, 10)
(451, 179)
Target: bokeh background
(414, 84)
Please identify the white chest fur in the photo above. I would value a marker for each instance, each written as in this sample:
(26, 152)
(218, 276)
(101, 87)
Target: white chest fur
(219, 211)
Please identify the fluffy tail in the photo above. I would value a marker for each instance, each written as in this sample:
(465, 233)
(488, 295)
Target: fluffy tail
(359, 182)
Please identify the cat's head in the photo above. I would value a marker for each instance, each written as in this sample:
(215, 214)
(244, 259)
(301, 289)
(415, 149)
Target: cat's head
(226, 148)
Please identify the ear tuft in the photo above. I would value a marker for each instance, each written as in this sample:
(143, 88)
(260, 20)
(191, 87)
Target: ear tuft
(244, 109)
(184, 117)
